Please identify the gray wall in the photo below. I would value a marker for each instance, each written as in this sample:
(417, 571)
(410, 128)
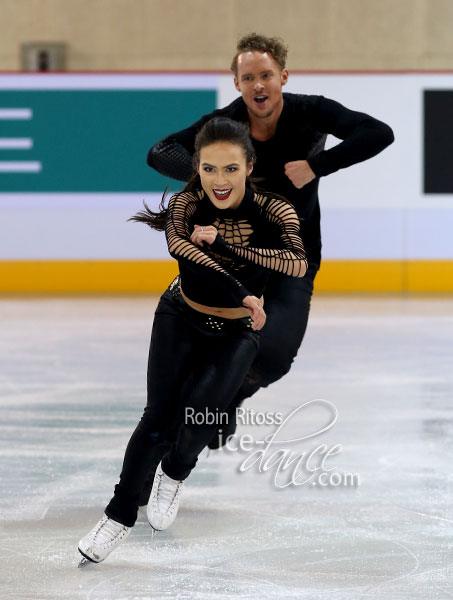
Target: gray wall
(201, 34)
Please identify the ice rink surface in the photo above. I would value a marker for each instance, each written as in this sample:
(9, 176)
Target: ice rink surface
(376, 373)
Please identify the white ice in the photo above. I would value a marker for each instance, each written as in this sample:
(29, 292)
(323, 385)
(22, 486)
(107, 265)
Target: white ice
(72, 388)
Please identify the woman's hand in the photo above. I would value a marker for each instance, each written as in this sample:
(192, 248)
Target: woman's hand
(256, 311)
(202, 234)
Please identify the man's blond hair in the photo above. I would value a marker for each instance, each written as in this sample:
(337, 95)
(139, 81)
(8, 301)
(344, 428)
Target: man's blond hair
(261, 43)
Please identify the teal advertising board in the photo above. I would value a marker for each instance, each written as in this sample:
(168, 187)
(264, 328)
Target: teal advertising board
(90, 141)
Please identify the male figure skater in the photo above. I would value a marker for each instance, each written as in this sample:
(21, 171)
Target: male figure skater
(288, 133)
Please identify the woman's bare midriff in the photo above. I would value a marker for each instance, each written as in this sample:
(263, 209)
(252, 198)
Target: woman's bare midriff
(226, 313)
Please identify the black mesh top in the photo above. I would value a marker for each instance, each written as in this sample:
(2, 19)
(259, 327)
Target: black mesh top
(301, 133)
(260, 235)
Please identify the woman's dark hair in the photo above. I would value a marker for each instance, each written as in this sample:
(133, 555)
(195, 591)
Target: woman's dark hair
(218, 129)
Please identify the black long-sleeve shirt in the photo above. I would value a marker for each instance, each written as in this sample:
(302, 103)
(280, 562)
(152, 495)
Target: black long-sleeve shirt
(301, 132)
(259, 236)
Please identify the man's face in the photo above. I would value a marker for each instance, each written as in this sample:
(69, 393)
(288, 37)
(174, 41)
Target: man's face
(260, 81)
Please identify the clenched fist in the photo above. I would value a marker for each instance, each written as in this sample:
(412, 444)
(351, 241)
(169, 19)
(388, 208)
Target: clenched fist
(299, 172)
(207, 233)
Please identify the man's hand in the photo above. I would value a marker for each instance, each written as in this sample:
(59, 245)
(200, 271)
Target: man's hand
(299, 172)
(256, 311)
(203, 234)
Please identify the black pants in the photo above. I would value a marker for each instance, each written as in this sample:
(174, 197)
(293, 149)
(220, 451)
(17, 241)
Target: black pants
(287, 305)
(195, 362)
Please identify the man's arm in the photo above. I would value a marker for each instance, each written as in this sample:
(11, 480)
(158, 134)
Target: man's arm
(170, 158)
(173, 156)
(363, 136)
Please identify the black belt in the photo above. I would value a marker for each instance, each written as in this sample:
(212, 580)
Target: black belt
(208, 322)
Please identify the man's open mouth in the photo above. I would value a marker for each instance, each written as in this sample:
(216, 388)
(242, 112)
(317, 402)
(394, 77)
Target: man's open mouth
(261, 98)
(222, 194)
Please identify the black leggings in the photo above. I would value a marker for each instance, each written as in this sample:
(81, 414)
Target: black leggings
(287, 305)
(195, 362)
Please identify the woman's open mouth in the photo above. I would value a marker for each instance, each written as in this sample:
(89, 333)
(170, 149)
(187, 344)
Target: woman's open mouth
(222, 194)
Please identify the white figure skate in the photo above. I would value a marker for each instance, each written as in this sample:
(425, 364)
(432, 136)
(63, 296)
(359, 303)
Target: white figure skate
(101, 540)
(164, 500)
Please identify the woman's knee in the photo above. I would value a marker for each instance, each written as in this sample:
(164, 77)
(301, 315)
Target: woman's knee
(154, 430)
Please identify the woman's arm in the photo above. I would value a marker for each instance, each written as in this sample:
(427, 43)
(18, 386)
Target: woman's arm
(180, 209)
(290, 260)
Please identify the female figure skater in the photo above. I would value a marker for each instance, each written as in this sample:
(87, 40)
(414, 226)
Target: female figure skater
(226, 239)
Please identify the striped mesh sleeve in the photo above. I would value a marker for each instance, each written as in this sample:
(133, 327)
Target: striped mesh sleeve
(180, 209)
(291, 259)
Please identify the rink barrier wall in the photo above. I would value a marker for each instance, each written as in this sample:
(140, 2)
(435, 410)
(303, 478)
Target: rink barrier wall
(135, 277)
(69, 186)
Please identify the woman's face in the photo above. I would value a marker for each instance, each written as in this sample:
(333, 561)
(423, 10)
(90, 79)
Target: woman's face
(223, 169)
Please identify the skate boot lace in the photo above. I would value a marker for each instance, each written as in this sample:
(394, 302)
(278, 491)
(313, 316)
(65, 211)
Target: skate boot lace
(167, 492)
(109, 531)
